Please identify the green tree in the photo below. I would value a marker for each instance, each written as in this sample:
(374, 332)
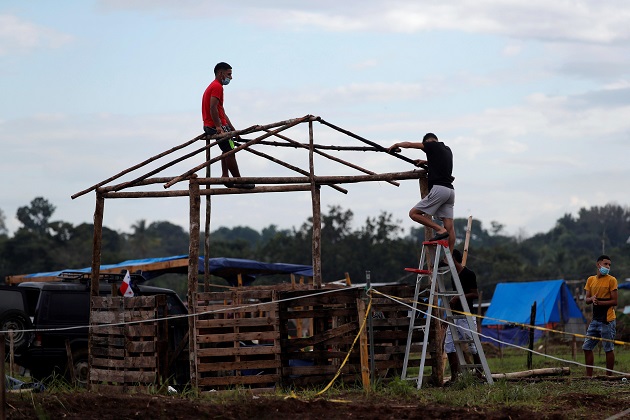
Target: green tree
(36, 216)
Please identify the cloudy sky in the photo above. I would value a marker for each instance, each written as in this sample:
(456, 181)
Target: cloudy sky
(532, 96)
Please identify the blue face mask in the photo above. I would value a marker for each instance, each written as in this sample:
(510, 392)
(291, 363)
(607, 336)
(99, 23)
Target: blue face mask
(604, 270)
(225, 81)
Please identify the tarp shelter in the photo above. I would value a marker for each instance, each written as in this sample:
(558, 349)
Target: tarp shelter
(511, 308)
(227, 268)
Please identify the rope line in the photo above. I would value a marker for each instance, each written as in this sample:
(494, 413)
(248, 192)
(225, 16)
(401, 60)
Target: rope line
(367, 312)
(395, 299)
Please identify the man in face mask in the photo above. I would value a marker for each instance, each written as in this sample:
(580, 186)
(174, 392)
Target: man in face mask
(601, 291)
(215, 120)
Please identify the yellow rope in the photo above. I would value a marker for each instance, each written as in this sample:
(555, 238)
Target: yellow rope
(367, 311)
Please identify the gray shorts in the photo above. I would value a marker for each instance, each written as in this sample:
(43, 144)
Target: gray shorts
(439, 202)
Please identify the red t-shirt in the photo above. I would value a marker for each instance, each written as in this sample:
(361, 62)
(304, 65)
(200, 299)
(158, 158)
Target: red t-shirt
(214, 89)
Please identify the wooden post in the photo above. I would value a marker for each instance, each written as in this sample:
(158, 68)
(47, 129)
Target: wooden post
(317, 222)
(467, 241)
(3, 382)
(206, 242)
(363, 346)
(532, 322)
(11, 353)
(73, 377)
(193, 271)
(96, 269)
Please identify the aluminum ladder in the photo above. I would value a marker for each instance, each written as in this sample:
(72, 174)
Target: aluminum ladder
(437, 288)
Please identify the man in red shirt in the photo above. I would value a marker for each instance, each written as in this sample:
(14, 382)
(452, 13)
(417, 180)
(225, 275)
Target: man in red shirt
(215, 121)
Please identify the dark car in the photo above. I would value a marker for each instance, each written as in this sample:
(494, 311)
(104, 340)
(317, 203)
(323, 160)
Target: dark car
(17, 306)
(62, 313)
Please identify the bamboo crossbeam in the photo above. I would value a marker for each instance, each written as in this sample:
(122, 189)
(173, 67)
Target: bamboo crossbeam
(213, 191)
(148, 181)
(322, 146)
(293, 123)
(334, 158)
(364, 140)
(247, 130)
(321, 180)
(289, 166)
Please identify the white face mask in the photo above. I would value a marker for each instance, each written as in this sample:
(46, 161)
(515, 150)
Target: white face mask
(225, 81)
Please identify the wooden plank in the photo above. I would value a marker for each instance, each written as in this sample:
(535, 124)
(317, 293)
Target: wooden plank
(234, 295)
(107, 317)
(243, 336)
(142, 377)
(241, 322)
(108, 352)
(320, 370)
(242, 365)
(109, 340)
(141, 330)
(306, 313)
(239, 380)
(104, 375)
(298, 343)
(126, 364)
(105, 330)
(236, 351)
(141, 346)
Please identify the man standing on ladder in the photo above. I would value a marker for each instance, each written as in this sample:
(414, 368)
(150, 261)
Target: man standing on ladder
(441, 198)
(468, 280)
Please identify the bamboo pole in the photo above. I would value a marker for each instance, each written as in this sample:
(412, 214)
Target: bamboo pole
(317, 222)
(336, 159)
(222, 191)
(467, 241)
(293, 168)
(206, 230)
(364, 140)
(248, 130)
(193, 269)
(323, 147)
(96, 267)
(241, 147)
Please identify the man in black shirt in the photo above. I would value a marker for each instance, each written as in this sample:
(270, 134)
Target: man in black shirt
(468, 280)
(441, 198)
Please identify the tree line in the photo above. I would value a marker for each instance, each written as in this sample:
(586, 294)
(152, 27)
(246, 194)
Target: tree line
(567, 251)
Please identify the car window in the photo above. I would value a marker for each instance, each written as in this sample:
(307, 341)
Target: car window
(11, 299)
(69, 307)
(32, 296)
(174, 305)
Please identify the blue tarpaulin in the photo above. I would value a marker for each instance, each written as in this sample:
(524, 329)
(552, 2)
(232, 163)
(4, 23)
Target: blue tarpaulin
(227, 268)
(512, 304)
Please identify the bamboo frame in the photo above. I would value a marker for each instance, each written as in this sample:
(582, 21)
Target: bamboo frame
(308, 181)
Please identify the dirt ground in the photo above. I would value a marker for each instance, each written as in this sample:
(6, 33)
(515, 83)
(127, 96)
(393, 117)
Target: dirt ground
(82, 405)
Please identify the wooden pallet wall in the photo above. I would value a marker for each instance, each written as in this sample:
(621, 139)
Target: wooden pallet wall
(237, 340)
(127, 357)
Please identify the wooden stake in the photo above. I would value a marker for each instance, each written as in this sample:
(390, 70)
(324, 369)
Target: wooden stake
(317, 222)
(363, 346)
(467, 241)
(193, 270)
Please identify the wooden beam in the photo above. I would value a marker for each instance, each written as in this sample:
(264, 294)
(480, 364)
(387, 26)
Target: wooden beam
(193, 270)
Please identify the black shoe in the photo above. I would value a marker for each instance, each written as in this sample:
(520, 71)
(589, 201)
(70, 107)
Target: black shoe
(245, 186)
(229, 184)
(439, 236)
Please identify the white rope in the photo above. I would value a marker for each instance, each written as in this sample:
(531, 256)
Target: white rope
(499, 341)
(230, 309)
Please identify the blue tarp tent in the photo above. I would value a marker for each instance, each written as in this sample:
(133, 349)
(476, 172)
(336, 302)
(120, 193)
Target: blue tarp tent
(227, 268)
(512, 303)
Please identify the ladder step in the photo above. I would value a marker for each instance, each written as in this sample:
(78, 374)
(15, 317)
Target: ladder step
(442, 242)
(454, 317)
(417, 270)
(472, 366)
(448, 293)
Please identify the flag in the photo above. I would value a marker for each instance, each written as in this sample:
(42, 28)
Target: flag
(125, 286)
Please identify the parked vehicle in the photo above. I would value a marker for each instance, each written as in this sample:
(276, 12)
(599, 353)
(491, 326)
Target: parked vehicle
(17, 306)
(62, 312)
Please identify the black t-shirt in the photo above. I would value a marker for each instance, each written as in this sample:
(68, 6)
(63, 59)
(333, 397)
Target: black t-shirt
(440, 163)
(468, 279)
